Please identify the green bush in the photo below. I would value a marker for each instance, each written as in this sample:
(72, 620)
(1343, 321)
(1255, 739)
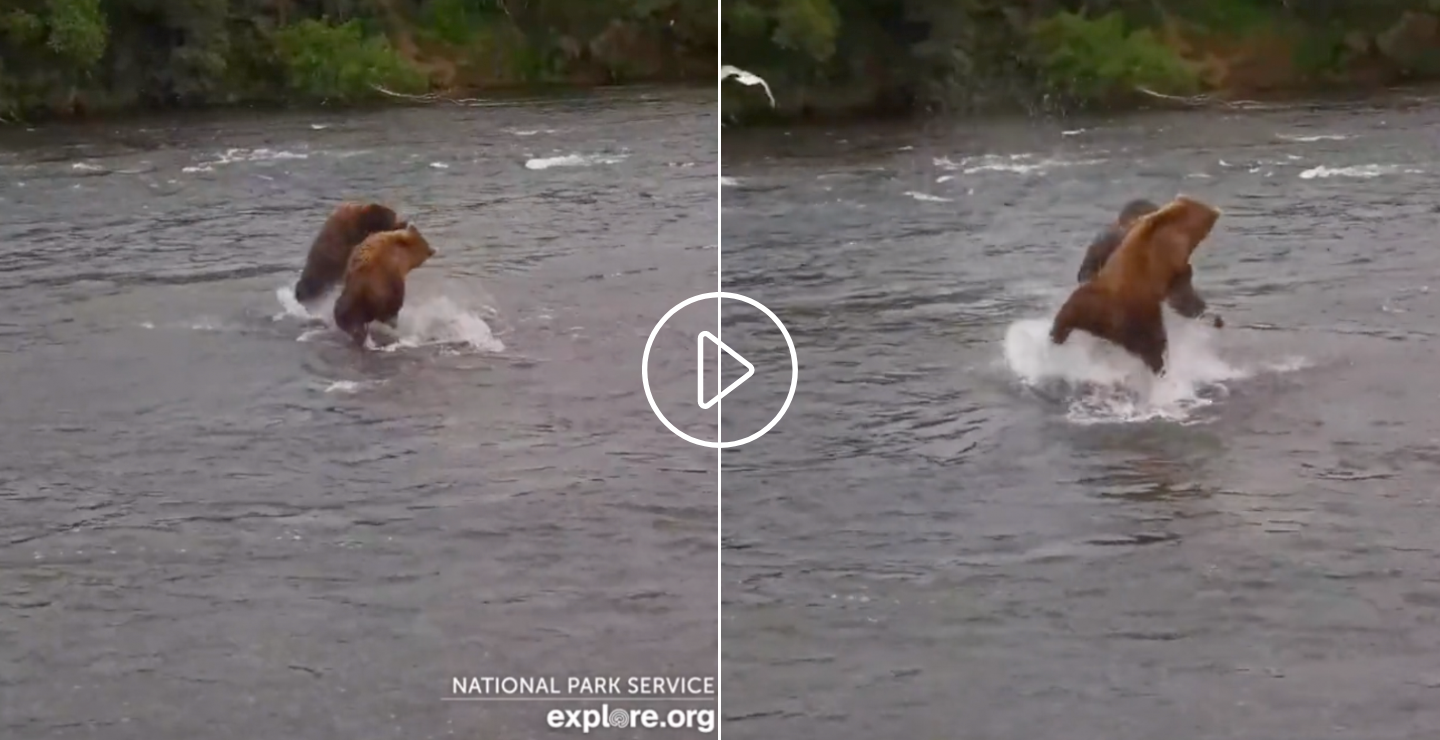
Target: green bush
(22, 29)
(341, 63)
(1100, 59)
(458, 22)
(1321, 53)
(78, 31)
(1232, 18)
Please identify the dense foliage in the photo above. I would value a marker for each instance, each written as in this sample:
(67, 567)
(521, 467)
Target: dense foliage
(61, 56)
(896, 56)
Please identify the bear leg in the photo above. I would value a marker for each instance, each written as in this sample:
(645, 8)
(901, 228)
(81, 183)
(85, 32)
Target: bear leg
(309, 287)
(1084, 310)
(352, 318)
(324, 267)
(1183, 298)
(359, 333)
(389, 314)
(1144, 337)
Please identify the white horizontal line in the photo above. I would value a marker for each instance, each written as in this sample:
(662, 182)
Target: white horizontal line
(619, 699)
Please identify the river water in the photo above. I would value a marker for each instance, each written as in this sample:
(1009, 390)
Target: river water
(959, 532)
(218, 520)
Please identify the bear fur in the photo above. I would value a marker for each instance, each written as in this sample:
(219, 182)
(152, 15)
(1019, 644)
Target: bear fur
(1122, 303)
(1183, 298)
(1106, 241)
(348, 225)
(375, 280)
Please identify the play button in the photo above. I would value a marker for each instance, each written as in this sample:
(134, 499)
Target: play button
(709, 395)
(725, 351)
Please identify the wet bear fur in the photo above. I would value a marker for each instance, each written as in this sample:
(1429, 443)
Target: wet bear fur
(1183, 298)
(1122, 303)
(348, 225)
(375, 280)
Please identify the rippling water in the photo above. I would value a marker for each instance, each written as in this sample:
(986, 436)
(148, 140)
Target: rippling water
(217, 519)
(959, 532)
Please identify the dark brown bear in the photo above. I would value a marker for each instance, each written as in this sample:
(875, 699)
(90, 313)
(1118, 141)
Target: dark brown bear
(1122, 302)
(1182, 298)
(348, 225)
(375, 280)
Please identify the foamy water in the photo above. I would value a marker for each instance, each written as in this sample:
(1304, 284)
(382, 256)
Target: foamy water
(1364, 171)
(434, 319)
(1312, 137)
(926, 197)
(1022, 164)
(1102, 383)
(165, 434)
(344, 386)
(572, 160)
(238, 154)
(1039, 164)
(1261, 504)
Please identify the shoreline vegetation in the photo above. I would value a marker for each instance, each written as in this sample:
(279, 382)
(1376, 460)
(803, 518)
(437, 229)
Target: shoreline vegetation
(833, 59)
(82, 58)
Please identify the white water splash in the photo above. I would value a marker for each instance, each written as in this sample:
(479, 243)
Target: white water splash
(441, 320)
(728, 182)
(926, 197)
(572, 160)
(231, 156)
(1016, 163)
(429, 318)
(1365, 171)
(1312, 137)
(1103, 383)
(293, 309)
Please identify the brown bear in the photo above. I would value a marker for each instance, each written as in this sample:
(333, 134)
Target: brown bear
(1182, 298)
(1122, 302)
(375, 280)
(348, 225)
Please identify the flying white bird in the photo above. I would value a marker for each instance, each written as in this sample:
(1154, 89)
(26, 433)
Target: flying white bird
(745, 78)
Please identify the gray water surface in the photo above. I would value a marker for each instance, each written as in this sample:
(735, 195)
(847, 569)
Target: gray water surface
(219, 520)
(926, 547)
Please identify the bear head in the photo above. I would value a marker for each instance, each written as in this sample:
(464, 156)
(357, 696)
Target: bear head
(372, 218)
(413, 245)
(1176, 230)
(1133, 211)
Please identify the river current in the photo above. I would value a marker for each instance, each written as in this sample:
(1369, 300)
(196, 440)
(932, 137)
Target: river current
(958, 531)
(219, 520)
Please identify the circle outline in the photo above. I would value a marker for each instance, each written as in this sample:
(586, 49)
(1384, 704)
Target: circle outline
(720, 295)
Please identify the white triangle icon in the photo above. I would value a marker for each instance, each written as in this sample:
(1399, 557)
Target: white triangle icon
(700, 369)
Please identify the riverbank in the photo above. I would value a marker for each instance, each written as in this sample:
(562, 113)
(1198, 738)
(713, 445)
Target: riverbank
(971, 60)
(79, 58)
